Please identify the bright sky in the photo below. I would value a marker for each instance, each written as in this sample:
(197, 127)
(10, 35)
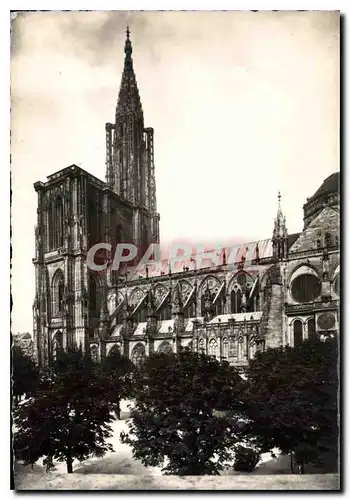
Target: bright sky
(243, 105)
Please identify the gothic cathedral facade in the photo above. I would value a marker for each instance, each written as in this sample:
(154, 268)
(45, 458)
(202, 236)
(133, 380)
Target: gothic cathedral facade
(274, 292)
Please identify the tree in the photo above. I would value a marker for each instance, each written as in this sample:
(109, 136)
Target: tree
(120, 373)
(174, 423)
(291, 400)
(25, 374)
(68, 417)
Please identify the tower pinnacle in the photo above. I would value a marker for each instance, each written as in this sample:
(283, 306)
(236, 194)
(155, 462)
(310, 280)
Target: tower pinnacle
(279, 209)
(280, 234)
(128, 50)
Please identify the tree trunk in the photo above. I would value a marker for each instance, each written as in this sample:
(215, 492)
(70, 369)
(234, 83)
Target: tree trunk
(69, 463)
(118, 409)
(291, 462)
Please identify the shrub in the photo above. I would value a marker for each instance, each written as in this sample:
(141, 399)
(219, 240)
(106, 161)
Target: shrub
(246, 459)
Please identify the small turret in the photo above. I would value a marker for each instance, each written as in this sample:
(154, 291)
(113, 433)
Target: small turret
(280, 234)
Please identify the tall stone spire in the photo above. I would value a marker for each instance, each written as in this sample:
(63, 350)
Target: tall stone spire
(280, 234)
(130, 157)
(129, 99)
(125, 138)
(128, 48)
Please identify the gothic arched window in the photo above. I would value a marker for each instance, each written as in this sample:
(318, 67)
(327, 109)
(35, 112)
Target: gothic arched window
(55, 349)
(92, 294)
(297, 332)
(165, 347)
(60, 293)
(306, 288)
(202, 305)
(56, 345)
(57, 292)
(55, 224)
(218, 307)
(225, 348)
(190, 310)
(201, 345)
(242, 279)
(236, 301)
(252, 349)
(138, 355)
(311, 329)
(140, 316)
(164, 312)
(212, 347)
(240, 349)
(233, 347)
(59, 222)
(51, 226)
(94, 353)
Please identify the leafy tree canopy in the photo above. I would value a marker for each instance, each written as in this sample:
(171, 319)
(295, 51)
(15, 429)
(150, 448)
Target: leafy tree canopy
(174, 423)
(25, 373)
(291, 399)
(68, 417)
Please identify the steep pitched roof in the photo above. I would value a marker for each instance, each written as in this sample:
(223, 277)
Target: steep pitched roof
(292, 238)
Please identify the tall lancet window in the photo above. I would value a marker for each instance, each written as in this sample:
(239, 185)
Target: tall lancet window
(236, 301)
(57, 292)
(311, 329)
(56, 345)
(60, 294)
(240, 349)
(51, 226)
(164, 312)
(203, 305)
(190, 310)
(55, 224)
(218, 307)
(59, 222)
(212, 347)
(298, 332)
(138, 355)
(225, 348)
(93, 294)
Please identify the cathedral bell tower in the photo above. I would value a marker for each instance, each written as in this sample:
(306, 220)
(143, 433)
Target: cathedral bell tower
(129, 156)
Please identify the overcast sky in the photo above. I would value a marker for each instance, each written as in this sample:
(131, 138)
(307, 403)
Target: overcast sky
(243, 105)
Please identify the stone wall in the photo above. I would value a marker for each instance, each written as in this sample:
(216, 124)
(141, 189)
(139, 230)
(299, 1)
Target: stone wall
(325, 222)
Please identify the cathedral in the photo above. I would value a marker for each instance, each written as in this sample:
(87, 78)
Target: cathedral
(268, 293)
